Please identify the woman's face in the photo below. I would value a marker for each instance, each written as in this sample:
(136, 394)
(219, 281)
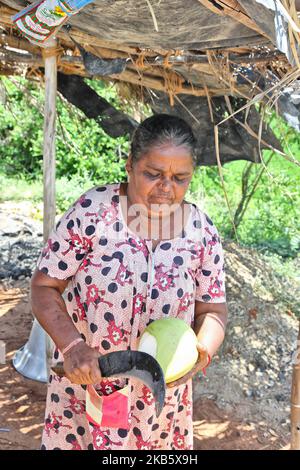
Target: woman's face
(161, 176)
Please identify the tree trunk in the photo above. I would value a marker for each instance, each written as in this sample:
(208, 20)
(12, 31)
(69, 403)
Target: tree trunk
(76, 91)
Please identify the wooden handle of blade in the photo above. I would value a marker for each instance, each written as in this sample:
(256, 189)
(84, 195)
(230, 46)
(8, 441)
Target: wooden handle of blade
(59, 369)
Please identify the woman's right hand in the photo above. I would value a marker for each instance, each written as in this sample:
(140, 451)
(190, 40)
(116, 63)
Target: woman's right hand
(81, 365)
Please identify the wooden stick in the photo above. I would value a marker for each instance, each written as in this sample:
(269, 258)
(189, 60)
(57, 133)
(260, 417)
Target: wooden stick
(295, 400)
(14, 60)
(18, 43)
(49, 160)
(158, 84)
(74, 65)
(201, 60)
(49, 142)
(153, 60)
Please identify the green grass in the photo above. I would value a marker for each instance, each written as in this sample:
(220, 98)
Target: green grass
(67, 191)
(18, 189)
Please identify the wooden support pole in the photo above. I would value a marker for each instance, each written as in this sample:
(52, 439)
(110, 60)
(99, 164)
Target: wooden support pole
(40, 336)
(49, 141)
(49, 157)
(295, 400)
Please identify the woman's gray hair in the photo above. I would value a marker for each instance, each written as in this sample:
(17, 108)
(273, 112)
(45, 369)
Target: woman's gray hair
(161, 129)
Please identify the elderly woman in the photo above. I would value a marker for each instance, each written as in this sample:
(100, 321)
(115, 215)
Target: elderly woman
(122, 256)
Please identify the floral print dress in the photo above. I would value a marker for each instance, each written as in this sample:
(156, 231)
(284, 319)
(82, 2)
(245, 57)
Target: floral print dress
(117, 286)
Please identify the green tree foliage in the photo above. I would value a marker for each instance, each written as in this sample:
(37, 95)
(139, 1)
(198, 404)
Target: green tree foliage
(271, 220)
(82, 147)
(86, 156)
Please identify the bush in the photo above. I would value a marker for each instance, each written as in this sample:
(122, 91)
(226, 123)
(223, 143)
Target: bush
(82, 147)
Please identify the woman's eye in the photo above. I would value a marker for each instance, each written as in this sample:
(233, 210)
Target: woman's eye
(151, 175)
(180, 180)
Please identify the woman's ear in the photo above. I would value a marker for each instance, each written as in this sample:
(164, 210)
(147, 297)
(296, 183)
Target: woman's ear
(128, 165)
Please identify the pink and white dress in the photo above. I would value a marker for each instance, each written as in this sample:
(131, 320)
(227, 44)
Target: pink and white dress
(117, 286)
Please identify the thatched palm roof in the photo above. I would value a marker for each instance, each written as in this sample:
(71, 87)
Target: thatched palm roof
(180, 56)
(191, 40)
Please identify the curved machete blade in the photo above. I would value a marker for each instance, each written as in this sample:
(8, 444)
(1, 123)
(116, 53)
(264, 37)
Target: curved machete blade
(136, 364)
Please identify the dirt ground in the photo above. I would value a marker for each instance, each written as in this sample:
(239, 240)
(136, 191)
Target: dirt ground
(22, 401)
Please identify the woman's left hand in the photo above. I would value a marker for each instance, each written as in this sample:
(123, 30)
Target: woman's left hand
(201, 363)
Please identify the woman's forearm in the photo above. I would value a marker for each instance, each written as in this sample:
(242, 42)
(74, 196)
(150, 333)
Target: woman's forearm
(210, 330)
(49, 308)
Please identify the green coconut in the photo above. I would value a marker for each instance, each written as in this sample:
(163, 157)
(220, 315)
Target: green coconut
(172, 342)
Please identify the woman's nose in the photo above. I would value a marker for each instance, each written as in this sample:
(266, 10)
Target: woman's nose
(166, 185)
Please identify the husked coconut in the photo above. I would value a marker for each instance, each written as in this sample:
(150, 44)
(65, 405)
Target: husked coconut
(172, 342)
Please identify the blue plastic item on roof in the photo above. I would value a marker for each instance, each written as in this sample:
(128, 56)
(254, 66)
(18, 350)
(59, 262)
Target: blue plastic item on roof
(41, 20)
(74, 5)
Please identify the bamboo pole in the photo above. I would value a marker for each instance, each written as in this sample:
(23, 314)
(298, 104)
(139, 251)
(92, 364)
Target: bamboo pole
(31, 56)
(295, 400)
(40, 337)
(157, 83)
(49, 201)
(49, 142)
